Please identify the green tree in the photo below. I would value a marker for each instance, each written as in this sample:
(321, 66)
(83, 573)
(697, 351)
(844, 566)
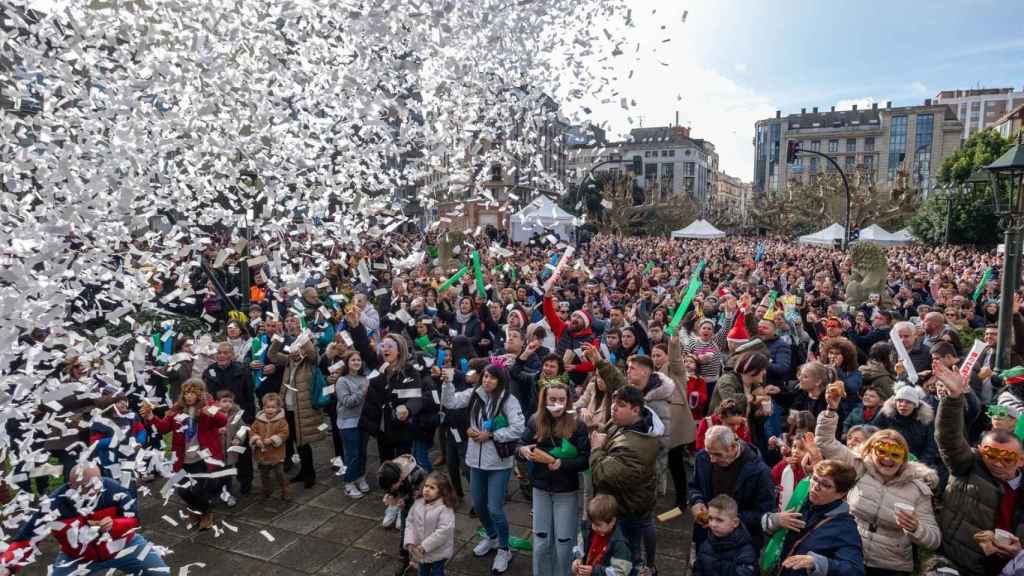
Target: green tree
(969, 209)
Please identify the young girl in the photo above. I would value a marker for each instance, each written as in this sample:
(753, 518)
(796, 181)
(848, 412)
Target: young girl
(696, 389)
(557, 449)
(269, 434)
(195, 421)
(351, 392)
(430, 527)
(729, 413)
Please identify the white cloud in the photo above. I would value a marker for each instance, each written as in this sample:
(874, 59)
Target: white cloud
(918, 88)
(669, 77)
(864, 102)
(740, 67)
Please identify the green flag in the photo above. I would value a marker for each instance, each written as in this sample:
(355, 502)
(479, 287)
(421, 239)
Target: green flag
(691, 292)
(981, 285)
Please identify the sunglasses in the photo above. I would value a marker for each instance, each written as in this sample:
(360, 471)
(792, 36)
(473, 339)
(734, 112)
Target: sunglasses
(891, 451)
(388, 345)
(1007, 457)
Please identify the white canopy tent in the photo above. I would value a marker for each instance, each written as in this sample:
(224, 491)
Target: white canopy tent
(825, 237)
(905, 236)
(542, 216)
(699, 229)
(878, 235)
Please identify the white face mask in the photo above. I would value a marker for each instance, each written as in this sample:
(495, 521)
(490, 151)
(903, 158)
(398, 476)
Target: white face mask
(555, 409)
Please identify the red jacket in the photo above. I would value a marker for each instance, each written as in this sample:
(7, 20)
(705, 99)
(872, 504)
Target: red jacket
(702, 427)
(559, 328)
(208, 434)
(115, 502)
(697, 396)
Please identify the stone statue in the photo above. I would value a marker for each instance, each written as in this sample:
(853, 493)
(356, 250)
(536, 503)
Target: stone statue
(868, 275)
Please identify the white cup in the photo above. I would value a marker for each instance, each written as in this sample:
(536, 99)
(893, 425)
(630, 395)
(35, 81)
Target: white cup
(905, 507)
(1002, 537)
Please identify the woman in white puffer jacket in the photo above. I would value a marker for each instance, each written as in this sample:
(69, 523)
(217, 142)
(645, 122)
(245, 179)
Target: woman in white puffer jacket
(892, 500)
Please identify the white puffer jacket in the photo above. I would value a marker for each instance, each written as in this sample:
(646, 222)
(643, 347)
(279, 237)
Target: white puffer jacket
(873, 503)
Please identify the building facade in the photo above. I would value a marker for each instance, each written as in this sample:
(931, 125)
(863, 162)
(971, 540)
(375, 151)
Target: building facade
(732, 196)
(1011, 123)
(672, 163)
(982, 107)
(880, 142)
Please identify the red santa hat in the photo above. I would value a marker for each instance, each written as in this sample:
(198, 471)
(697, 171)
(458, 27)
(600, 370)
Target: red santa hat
(738, 334)
(583, 316)
(517, 312)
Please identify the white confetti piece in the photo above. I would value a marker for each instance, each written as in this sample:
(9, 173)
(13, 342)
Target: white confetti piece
(267, 535)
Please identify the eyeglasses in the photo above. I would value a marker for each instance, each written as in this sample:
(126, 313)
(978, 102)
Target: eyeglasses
(824, 483)
(889, 450)
(1007, 457)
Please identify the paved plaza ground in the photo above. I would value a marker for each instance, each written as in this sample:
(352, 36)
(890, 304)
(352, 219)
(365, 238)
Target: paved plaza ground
(321, 531)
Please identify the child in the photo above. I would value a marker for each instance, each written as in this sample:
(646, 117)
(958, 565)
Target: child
(350, 390)
(230, 436)
(401, 480)
(195, 421)
(728, 550)
(430, 532)
(696, 389)
(602, 550)
(269, 433)
(117, 435)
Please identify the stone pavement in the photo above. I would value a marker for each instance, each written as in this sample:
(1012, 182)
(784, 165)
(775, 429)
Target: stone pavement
(321, 531)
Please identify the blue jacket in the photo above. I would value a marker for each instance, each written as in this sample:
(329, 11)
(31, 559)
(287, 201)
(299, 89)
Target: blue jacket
(781, 354)
(754, 493)
(835, 546)
(733, 555)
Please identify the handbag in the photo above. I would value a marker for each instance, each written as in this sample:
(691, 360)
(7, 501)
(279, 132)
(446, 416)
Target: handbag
(317, 397)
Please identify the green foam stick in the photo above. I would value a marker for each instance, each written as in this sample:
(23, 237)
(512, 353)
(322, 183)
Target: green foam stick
(981, 285)
(773, 551)
(479, 275)
(451, 281)
(1019, 430)
(691, 292)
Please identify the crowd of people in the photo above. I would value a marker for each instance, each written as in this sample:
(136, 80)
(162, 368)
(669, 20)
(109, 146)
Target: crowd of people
(802, 432)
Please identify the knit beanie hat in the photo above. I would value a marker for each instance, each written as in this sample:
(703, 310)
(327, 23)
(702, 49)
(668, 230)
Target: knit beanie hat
(908, 393)
(518, 312)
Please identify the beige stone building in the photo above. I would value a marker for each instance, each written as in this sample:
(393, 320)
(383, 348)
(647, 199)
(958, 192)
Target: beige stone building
(980, 108)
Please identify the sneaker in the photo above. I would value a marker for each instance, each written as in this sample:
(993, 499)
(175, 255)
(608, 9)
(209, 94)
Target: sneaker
(336, 462)
(230, 501)
(501, 560)
(484, 547)
(391, 515)
(352, 492)
(362, 485)
(206, 521)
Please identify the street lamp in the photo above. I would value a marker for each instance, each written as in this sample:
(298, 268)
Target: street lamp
(1007, 176)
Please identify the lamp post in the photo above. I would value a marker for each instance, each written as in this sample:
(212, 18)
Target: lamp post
(1007, 176)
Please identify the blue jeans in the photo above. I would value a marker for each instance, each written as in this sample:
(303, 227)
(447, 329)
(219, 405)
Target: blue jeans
(354, 442)
(130, 564)
(432, 568)
(488, 488)
(421, 452)
(554, 532)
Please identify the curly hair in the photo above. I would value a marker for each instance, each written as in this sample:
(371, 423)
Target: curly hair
(845, 347)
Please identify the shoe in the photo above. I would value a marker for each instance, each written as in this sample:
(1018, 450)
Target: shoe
(193, 520)
(245, 489)
(336, 463)
(391, 515)
(352, 492)
(206, 522)
(472, 512)
(362, 485)
(309, 482)
(501, 560)
(231, 501)
(296, 479)
(484, 547)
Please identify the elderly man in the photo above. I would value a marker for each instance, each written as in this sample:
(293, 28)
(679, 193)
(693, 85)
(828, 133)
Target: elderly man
(95, 521)
(920, 355)
(227, 374)
(934, 327)
(983, 518)
(727, 465)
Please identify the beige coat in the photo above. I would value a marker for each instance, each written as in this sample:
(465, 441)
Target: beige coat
(433, 527)
(598, 410)
(872, 502)
(298, 378)
(683, 429)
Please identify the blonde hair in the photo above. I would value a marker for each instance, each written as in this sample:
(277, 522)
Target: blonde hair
(547, 425)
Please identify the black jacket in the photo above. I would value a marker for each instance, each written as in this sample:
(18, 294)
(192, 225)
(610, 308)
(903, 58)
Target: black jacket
(733, 555)
(567, 477)
(233, 377)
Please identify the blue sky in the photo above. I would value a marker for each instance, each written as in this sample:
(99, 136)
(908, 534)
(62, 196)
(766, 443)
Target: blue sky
(734, 61)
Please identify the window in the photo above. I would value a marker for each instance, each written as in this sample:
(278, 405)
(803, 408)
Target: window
(814, 165)
(869, 144)
(671, 153)
(816, 145)
(689, 169)
(647, 153)
(923, 153)
(975, 106)
(851, 145)
(850, 163)
(667, 179)
(833, 146)
(897, 144)
(664, 153)
(869, 162)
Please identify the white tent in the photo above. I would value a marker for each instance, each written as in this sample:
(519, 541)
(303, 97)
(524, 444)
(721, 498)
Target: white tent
(877, 235)
(542, 216)
(824, 237)
(699, 229)
(904, 236)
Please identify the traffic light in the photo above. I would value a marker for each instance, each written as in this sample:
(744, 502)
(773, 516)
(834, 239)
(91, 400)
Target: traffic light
(792, 149)
(638, 165)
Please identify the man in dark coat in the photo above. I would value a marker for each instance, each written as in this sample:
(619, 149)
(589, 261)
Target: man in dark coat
(227, 374)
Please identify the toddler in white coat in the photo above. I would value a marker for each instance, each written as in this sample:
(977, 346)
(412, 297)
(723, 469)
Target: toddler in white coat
(430, 528)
